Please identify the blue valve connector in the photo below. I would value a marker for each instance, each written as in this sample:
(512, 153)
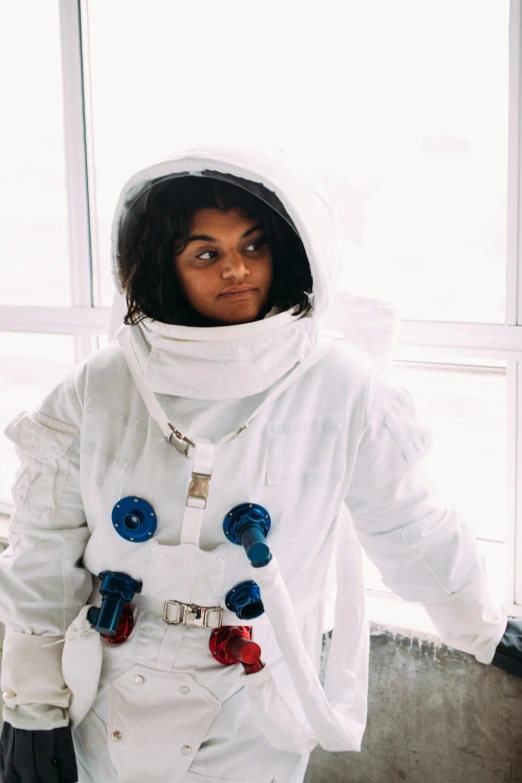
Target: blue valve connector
(117, 589)
(245, 600)
(248, 525)
(134, 519)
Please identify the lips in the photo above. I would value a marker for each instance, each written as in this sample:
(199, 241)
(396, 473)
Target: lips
(238, 289)
(238, 292)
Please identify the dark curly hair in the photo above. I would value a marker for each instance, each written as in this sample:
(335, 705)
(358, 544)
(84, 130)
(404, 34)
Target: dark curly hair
(147, 269)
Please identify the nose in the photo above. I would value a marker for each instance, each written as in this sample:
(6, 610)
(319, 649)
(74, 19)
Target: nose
(234, 265)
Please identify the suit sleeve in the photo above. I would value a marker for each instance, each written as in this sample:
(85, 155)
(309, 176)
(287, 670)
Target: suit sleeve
(42, 582)
(425, 551)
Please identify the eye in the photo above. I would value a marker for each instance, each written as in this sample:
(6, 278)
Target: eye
(258, 242)
(203, 254)
(256, 245)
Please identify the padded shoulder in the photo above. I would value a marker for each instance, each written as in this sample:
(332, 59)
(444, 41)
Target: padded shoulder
(103, 374)
(346, 365)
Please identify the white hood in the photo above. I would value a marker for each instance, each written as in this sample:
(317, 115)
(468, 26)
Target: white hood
(231, 362)
(303, 205)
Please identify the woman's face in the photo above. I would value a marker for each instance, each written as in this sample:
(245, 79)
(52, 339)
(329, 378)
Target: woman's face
(225, 252)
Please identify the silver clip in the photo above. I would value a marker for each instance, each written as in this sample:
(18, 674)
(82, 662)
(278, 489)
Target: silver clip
(191, 614)
(180, 439)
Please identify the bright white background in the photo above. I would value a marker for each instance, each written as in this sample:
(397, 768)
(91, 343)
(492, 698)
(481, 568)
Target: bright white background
(405, 114)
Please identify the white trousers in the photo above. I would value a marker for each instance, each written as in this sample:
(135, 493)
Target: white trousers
(233, 752)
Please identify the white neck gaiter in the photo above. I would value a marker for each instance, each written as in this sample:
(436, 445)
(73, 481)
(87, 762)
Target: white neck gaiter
(223, 362)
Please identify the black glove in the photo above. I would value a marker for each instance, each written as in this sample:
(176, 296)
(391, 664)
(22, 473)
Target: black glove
(509, 652)
(37, 756)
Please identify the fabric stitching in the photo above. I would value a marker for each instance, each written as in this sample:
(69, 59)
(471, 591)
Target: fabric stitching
(129, 433)
(420, 554)
(287, 427)
(47, 505)
(104, 408)
(54, 424)
(365, 406)
(64, 550)
(30, 431)
(387, 425)
(394, 439)
(74, 382)
(32, 474)
(276, 465)
(390, 416)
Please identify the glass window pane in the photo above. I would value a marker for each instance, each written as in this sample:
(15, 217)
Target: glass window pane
(34, 267)
(411, 147)
(439, 355)
(31, 365)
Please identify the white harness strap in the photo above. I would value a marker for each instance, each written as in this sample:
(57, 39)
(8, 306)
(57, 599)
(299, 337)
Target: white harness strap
(202, 450)
(172, 434)
(198, 492)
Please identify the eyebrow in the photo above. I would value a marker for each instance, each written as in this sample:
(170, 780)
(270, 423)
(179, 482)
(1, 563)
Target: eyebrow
(206, 238)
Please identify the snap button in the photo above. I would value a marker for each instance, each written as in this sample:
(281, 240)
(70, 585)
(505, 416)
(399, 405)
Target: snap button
(139, 679)
(184, 690)
(116, 735)
(186, 750)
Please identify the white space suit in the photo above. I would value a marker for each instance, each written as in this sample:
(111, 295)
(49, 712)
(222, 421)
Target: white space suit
(338, 433)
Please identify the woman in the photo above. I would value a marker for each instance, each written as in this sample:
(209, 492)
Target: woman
(220, 392)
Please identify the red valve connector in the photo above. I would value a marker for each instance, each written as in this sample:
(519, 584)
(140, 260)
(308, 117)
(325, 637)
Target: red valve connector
(125, 626)
(233, 644)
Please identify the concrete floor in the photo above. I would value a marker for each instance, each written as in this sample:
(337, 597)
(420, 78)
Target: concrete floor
(435, 715)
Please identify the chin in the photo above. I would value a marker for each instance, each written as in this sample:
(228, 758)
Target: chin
(240, 318)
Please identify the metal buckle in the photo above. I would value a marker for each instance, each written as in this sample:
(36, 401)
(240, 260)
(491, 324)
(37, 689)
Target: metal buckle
(190, 614)
(198, 490)
(179, 440)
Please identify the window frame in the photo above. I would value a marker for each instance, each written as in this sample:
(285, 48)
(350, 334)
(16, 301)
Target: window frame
(434, 341)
